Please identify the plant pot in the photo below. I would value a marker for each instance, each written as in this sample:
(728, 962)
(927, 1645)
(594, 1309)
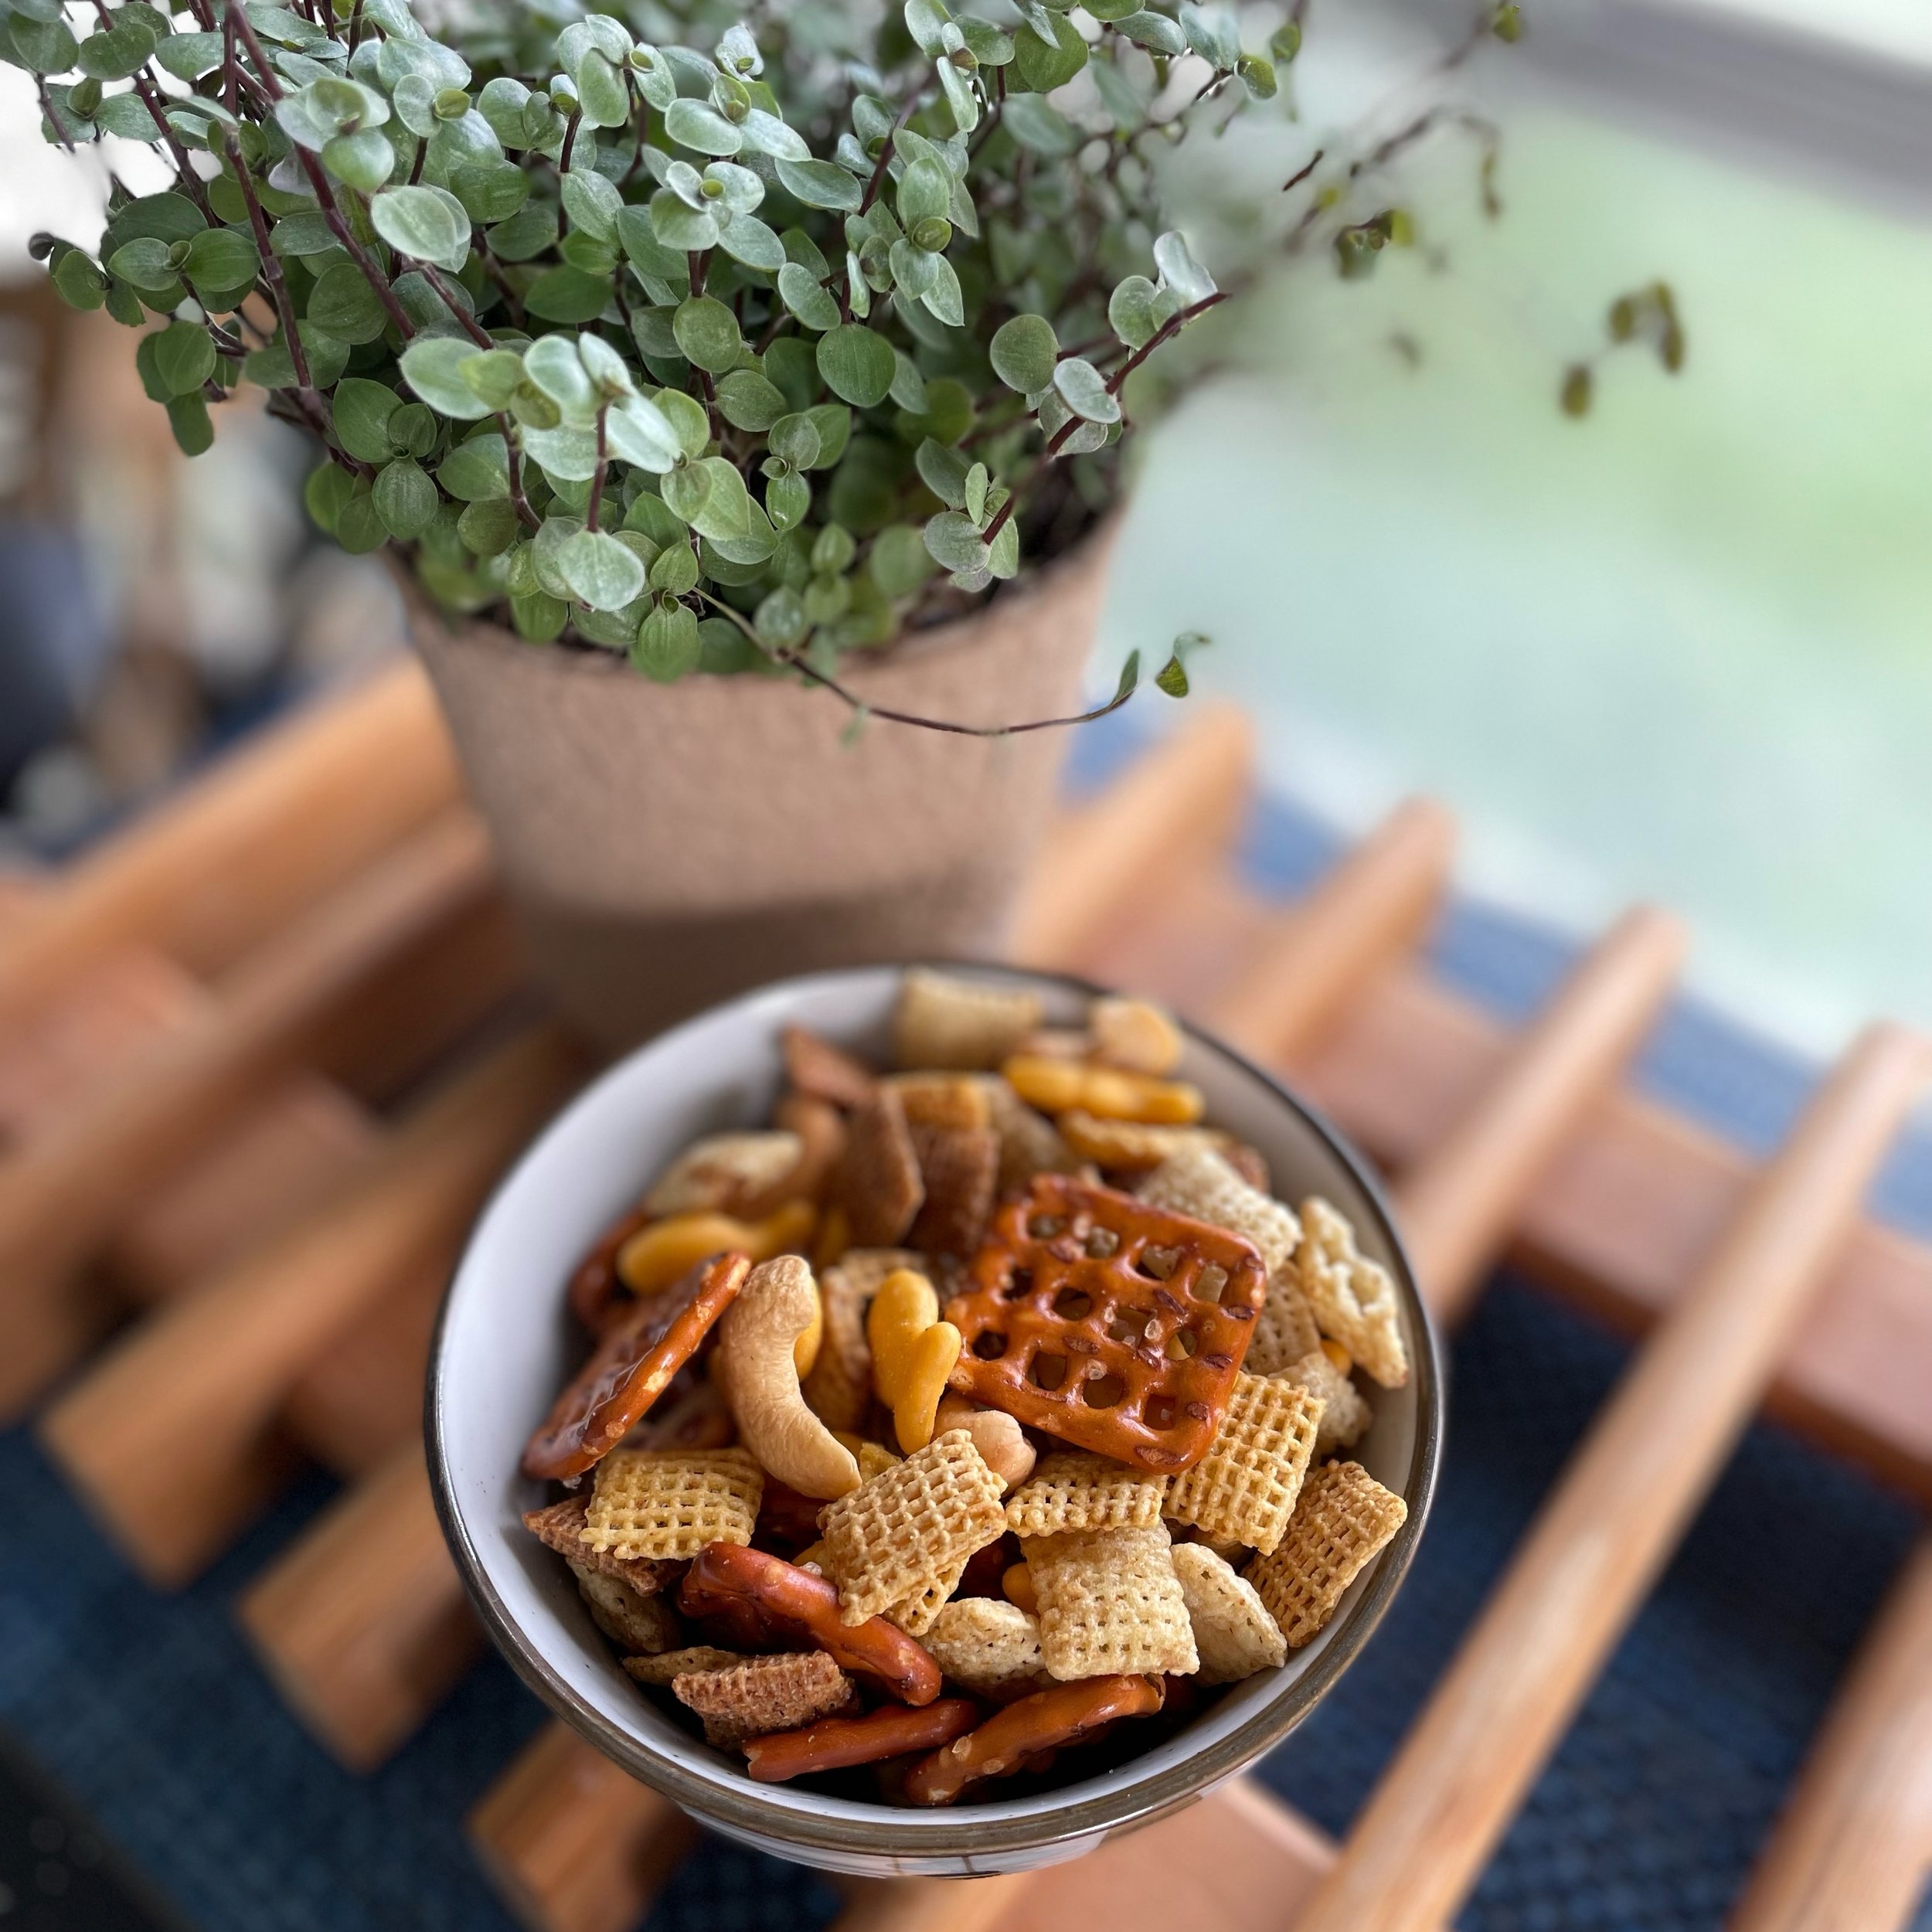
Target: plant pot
(666, 845)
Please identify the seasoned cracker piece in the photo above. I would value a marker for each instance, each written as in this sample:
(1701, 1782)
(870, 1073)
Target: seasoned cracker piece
(839, 1387)
(1344, 1519)
(963, 1024)
(895, 1536)
(1244, 1489)
(722, 1172)
(1134, 1034)
(559, 1526)
(914, 1615)
(957, 1168)
(1029, 1143)
(1345, 1414)
(1285, 1331)
(1132, 1146)
(875, 1459)
(673, 1664)
(827, 1073)
(638, 1622)
(1233, 1630)
(1110, 1603)
(1353, 1298)
(762, 1694)
(1198, 1181)
(944, 1100)
(878, 1182)
(1075, 1490)
(669, 1503)
(988, 1647)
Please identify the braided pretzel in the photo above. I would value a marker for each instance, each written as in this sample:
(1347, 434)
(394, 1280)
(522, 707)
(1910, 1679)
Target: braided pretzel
(761, 1599)
(596, 1295)
(1111, 1323)
(632, 1366)
(834, 1743)
(1047, 1721)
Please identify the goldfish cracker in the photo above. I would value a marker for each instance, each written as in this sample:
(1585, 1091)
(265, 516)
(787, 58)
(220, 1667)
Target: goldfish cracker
(834, 1237)
(1065, 1086)
(667, 1250)
(1017, 1584)
(1343, 1361)
(913, 1353)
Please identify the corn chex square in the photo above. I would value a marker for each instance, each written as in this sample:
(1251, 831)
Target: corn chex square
(1233, 1630)
(898, 1534)
(1344, 1519)
(1285, 1329)
(1110, 1603)
(1244, 1489)
(1353, 1298)
(672, 1664)
(758, 1695)
(914, 1615)
(1345, 1414)
(988, 1647)
(965, 1024)
(669, 1503)
(1196, 1182)
(1075, 1490)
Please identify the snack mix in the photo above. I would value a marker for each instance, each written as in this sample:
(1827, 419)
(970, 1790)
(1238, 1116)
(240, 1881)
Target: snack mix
(973, 1409)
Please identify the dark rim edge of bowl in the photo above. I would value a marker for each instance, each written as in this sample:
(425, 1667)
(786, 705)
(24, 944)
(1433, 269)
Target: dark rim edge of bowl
(1106, 1812)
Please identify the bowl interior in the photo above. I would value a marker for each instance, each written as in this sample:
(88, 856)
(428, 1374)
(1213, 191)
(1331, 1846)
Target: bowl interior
(506, 1344)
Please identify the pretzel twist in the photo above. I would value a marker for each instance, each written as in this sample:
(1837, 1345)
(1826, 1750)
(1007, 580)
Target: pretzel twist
(834, 1743)
(1010, 1740)
(761, 1598)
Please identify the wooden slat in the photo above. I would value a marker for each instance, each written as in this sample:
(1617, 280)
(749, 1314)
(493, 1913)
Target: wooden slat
(1603, 1537)
(163, 1438)
(221, 866)
(573, 1844)
(1185, 797)
(361, 1684)
(1371, 907)
(1852, 1851)
(1623, 1214)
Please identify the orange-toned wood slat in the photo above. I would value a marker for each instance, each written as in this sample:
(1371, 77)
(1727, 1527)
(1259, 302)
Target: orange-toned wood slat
(1183, 798)
(573, 1844)
(1370, 907)
(360, 1683)
(1457, 1203)
(1600, 1539)
(932, 1905)
(1852, 1851)
(163, 1437)
(69, 1186)
(1622, 1215)
(221, 866)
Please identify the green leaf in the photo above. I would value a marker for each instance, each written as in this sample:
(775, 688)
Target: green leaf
(747, 401)
(433, 366)
(1023, 353)
(1137, 309)
(686, 416)
(725, 511)
(668, 643)
(490, 191)
(492, 376)
(591, 202)
(145, 262)
(44, 46)
(746, 239)
(184, 357)
(489, 529)
(1042, 67)
(539, 618)
(1212, 33)
(675, 569)
(365, 160)
(943, 471)
(567, 295)
(187, 417)
(329, 488)
(899, 562)
(405, 498)
(361, 410)
(123, 49)
(189, 55)
(601, 572)
(1130, 678)
(1179, 271)
(820, 184)
(79, 282)
(833, 422)
(219, 260)
(794, 440)
(1171, 676)
(1039, 126)
(812, 304)
(477, 471)
(787, 498)
(925, 189)
(702, 129)
(343, 304)
(1155, 32)
(1084, 391)
(857, 364)
(780, 619)
(707, 334)
(640, 432)
(953, 543)
(529, 233)
(429, 223)
(552, 364)
(1257, 77)
(127, 115)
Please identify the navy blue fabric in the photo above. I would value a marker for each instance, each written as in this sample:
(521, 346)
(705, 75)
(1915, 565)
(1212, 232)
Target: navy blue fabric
(150, 1711)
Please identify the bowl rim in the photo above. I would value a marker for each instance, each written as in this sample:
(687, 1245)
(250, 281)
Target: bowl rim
(1100, 1807)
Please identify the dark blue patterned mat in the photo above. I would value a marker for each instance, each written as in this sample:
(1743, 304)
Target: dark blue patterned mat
(150, 1711)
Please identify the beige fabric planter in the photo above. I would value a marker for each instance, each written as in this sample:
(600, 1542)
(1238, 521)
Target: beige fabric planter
(668, 845)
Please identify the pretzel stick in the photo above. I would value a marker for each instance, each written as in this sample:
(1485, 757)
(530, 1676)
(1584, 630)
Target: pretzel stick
(572, 1843)
(1601, 1538)
(1851, 1852)
(309, 1616)
(1183, 797)
(1370, 908)
(1456, 1209)
(221, 866)
(164, 1437)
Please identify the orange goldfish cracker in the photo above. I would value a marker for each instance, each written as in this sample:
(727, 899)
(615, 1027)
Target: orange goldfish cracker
(1134, 1035)
(913, 1353)
(667, 1250)
(1061, 1086)
(1017, 1582)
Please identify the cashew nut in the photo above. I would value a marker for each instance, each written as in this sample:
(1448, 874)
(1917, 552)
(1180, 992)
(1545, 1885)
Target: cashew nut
(757, 1364)
(666, 1250)
(1002, 1442)
(913, 1353)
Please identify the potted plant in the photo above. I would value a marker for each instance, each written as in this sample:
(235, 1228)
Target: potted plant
(711, 381)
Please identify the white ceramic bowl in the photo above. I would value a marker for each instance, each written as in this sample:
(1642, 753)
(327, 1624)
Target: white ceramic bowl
(505, 1344)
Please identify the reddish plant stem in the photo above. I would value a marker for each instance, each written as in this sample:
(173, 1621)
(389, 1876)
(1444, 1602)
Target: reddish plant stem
(570, 141)
(465, 321)
(596, 503)
(514, 463)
